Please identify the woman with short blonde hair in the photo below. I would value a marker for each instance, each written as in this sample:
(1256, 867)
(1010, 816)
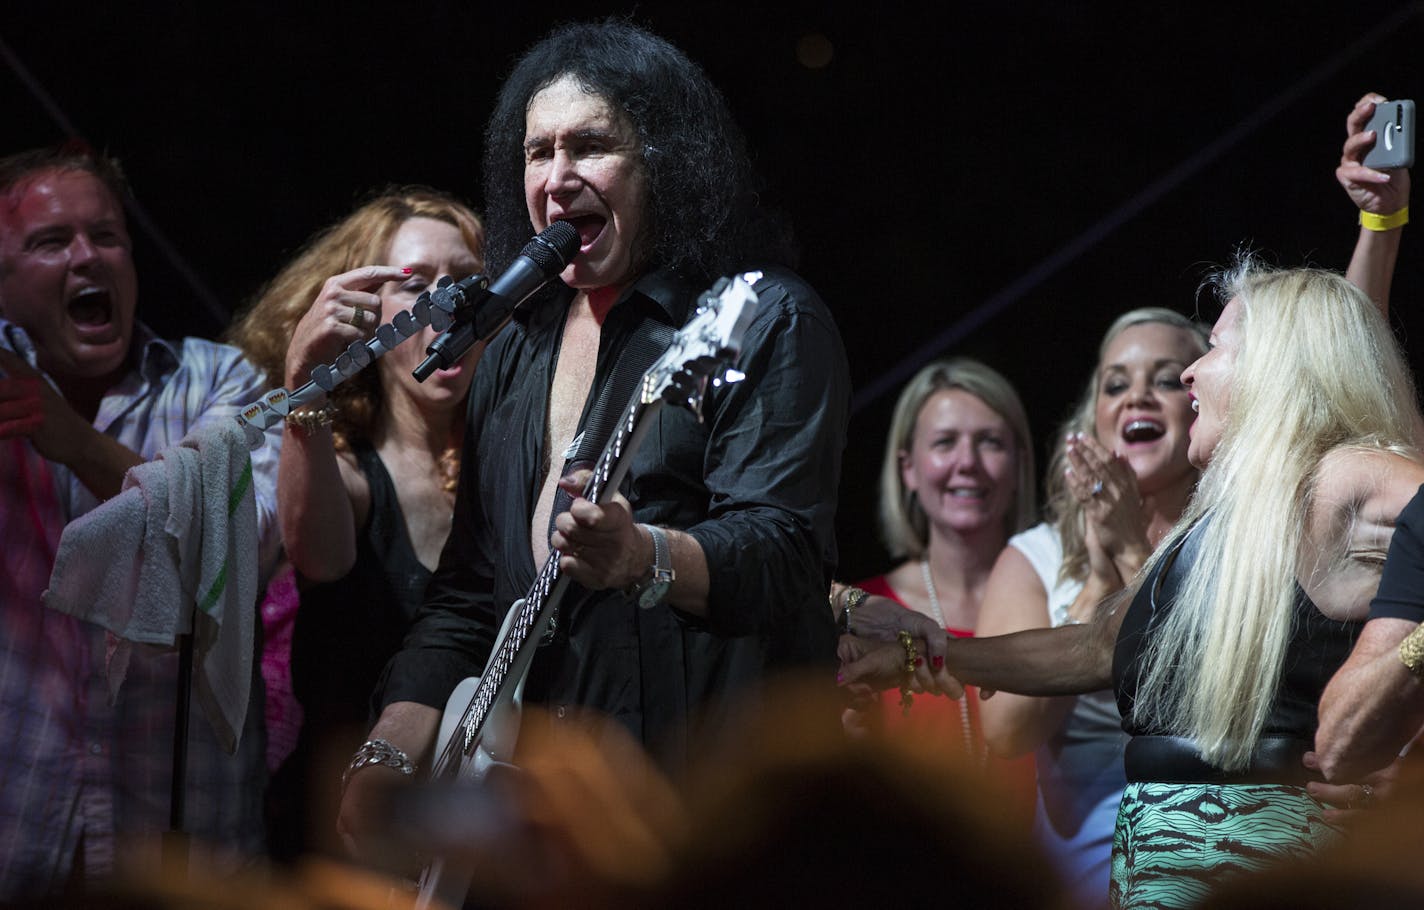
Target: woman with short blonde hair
(904, 528)
(957, 480)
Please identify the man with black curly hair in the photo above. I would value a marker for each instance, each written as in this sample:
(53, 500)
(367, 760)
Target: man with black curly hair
(618, 133)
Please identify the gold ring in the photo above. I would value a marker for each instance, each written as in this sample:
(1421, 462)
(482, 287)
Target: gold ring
(358, 316)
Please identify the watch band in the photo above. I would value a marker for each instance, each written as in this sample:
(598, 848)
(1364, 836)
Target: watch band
(662, 559)
(652, 588)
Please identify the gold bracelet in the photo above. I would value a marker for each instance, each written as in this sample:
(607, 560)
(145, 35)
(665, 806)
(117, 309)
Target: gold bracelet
(308, 419)
(844, 599)
(854, 597)
(1372, 222)
(911, 656)
(1411, 651)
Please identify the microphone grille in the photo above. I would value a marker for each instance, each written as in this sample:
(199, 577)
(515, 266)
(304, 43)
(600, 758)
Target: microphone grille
(554, 246)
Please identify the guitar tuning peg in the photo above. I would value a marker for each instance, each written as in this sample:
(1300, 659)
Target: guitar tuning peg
(727, 377)
(704, 365)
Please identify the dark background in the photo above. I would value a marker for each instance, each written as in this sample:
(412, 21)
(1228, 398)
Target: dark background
(1050, 164)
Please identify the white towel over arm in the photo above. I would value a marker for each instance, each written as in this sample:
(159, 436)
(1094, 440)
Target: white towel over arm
(179, 540)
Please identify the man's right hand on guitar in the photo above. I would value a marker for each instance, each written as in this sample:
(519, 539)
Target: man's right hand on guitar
(602, 548)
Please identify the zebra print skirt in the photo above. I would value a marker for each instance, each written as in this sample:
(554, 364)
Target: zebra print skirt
(1173, 842)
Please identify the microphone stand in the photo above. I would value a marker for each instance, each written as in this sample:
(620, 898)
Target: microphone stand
(451, 302)
(174, 852)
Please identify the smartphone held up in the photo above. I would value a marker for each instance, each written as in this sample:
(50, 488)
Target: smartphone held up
(1393, 126)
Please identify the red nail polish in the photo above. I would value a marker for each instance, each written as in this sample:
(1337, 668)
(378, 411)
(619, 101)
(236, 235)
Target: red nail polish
(919, 661)
(937, 662)
(405, 271)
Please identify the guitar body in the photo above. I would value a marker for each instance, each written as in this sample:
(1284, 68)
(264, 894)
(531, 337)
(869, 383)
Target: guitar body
(493, 745)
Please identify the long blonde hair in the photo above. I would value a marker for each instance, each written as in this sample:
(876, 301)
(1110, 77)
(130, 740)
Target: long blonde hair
(1064, 510)
(904, 527)
(1317, 371)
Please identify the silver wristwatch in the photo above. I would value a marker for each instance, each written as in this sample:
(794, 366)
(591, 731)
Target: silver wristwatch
(652, 588)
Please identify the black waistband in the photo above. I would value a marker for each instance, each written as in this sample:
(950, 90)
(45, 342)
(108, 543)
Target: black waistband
(1175, 760)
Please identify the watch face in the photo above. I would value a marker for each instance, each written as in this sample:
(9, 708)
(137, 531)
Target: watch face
(653, 594)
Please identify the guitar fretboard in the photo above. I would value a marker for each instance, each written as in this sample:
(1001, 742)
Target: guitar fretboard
(502, 661)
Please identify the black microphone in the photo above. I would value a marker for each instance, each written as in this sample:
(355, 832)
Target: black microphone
(540, 261)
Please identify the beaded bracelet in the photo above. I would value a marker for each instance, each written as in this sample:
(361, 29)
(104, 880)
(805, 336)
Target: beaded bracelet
(911, 655)
(308, 419)
(1372, 222)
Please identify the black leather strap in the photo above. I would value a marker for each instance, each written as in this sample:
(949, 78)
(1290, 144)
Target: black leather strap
(1175, 760)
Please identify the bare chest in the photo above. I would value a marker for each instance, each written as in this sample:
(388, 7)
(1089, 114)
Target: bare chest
(573, 380)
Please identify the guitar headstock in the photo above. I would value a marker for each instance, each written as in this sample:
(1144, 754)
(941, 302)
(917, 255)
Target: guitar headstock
(701, 353)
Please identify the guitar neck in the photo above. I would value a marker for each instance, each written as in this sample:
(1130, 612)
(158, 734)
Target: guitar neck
(548, 589)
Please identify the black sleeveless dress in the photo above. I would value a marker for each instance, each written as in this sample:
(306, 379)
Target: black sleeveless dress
(1318, 646)
(1185, 823)
(345, 632)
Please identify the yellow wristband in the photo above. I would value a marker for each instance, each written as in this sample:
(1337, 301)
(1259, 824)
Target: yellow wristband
(1372, 222)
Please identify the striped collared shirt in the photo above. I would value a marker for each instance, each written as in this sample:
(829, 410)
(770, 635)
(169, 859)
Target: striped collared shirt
(74, 765)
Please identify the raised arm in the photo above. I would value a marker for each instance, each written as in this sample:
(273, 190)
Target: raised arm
(31, 408)
(1382, 194)
(319, 498)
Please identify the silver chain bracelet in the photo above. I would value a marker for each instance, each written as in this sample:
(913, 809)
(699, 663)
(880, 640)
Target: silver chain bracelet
(377, 752)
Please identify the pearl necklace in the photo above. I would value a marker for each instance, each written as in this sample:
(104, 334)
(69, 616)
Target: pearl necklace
(967, 729)
(934, 596)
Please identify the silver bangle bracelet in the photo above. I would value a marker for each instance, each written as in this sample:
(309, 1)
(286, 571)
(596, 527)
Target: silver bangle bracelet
(377, 752)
